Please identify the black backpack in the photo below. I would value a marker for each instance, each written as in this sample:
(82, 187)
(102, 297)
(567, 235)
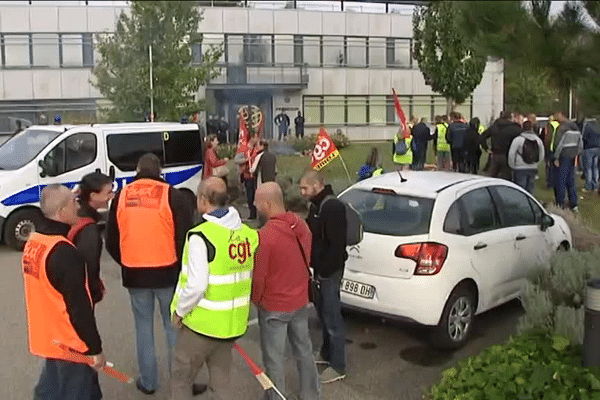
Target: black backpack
(530, 151)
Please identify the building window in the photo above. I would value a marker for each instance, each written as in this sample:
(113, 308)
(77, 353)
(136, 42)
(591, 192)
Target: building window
(402, 53)
(311, 50)
(45, 50)
(88, 50)
(72, 50)
(234, 49)
(284, 49)
(16, 51)
(257, 49)
(357, 51)
(378, 110)
(312, 110)
(377, 52)
(333, 51)
(357, 110)
(298, 50)
(196, 54)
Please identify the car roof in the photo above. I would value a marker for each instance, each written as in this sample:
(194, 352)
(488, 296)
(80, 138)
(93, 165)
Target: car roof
(55, 128)
(420, 183)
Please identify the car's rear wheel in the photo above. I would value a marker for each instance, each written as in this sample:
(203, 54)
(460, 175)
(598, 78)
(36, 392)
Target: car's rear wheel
(456, 323)
(20, 225)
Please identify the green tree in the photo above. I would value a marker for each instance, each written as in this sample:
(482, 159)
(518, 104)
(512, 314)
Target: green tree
(123, 71)
(447, 61)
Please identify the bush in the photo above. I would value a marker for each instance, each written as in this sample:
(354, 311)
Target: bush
(553, 297)
(305, 144)
(584, 237)
(532, 366)
(340, 140)
(226, 150)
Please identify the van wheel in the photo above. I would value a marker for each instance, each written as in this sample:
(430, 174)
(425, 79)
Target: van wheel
(19, 226)
(456, 323)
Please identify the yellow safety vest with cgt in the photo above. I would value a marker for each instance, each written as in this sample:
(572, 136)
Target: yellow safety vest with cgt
(554, 126)
(406, 158)
(442, 143)
(223, 311)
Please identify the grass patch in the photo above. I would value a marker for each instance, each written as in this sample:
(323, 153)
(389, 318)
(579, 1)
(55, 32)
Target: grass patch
(356, 154)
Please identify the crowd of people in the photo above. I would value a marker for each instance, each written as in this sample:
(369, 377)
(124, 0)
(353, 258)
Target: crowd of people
(203, 277)
(516, 144)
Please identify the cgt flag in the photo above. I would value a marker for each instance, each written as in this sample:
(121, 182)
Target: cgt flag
(324, 151)
(401, 115)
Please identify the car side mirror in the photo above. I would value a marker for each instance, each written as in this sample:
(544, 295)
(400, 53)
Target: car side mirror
(547, 221)
(43, 167)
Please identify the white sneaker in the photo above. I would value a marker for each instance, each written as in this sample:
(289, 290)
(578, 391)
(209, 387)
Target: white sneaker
(331, 375)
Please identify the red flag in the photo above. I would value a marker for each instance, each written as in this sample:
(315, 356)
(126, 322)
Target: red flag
(324, 150)
(401, 115)
(243, 133)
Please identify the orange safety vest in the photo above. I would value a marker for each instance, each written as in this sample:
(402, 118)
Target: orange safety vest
(146, 226)
(47, 318)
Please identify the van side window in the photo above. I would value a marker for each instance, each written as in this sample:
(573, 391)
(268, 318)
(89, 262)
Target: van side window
(182, 147)
(124, 150)
(74, 152)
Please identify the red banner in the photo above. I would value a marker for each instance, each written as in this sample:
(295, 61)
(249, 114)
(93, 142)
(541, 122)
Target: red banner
(243, 134)
(401, 115)
(324, 150)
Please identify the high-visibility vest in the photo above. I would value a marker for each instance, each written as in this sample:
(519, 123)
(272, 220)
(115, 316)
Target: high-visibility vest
(554, 126)
(480, 129)
(224, 309)
(377, 172)
(442, 143)
(406, 158)
(146, 225)
(48, 321)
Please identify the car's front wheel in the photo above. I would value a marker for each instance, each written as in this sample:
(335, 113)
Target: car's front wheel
(20, 225)
(456, 323)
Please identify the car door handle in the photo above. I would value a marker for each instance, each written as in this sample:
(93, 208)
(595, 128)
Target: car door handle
(480, 246)
(521, 237)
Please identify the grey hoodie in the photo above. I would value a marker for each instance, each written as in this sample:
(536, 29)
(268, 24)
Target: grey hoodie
(515, 158)
(568, 141)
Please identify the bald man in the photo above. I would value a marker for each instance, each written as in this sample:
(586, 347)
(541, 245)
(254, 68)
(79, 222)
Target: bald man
(280, 291)
(59, 307)
(212, 300)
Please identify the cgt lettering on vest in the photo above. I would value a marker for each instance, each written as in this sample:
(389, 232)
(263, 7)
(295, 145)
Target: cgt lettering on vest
(240, 251)
(32, 257)
(144, 195)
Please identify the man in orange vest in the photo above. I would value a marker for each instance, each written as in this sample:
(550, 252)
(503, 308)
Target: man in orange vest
(59, 305)
(145, 233)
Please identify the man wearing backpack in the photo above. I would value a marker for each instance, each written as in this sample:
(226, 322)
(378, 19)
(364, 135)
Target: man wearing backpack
(524, 155)
(402, 154)
(567, 145)
(327, 222)
(591, 150)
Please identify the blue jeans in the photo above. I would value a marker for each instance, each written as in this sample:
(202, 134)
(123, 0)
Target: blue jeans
(565, 182)
(525, 178)
(65, 380)
(275, 328)
(329, 308)
(419, 156)
(142, 304)
(591, 157)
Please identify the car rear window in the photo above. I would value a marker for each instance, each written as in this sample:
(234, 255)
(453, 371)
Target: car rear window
(391, 214)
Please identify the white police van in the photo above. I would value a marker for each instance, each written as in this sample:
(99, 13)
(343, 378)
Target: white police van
(46, 154)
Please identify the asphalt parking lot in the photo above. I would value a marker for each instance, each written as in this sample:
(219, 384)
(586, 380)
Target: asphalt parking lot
(386, 360)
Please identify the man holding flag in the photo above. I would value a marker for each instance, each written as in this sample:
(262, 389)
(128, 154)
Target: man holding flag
(246, 152)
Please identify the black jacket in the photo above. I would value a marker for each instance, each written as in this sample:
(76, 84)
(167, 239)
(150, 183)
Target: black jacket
(328, 234)
(456, 134)
(267, 165)
(66, 271)
(89, 243)
(421, 133)
(151, 277)
(502, 133)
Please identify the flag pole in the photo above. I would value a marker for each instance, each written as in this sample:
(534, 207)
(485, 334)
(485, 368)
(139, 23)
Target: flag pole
(346, 168)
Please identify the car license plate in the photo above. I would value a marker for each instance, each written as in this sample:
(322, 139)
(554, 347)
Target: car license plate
(358, 289)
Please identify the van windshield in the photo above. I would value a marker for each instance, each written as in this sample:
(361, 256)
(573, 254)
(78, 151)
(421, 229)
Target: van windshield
(20, 149)
(391, 214)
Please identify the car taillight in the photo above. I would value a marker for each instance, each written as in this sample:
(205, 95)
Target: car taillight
(429, 257)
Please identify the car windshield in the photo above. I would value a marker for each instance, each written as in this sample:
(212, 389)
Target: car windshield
(24, 147)
(391, 214)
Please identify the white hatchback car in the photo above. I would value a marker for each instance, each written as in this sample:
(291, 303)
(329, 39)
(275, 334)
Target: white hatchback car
(440, 247)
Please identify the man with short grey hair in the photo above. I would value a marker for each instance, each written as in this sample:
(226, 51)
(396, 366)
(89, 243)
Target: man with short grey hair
(60, 313)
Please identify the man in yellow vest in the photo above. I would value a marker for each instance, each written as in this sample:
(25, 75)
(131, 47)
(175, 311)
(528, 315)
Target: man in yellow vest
(441, 147)
(211, 304)
(402, 154)
(550, 133)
